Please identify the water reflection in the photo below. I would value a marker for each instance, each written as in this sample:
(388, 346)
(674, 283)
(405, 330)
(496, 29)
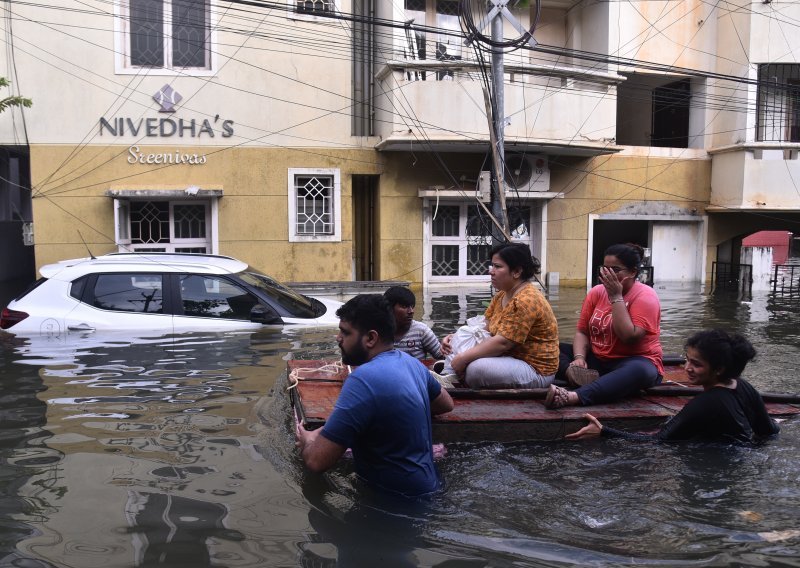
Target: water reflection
(23, 458)
(156, 451)
(174, 531)
(178, 451)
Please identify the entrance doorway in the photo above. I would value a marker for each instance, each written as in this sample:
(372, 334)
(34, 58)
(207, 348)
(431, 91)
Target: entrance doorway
(612, 232)
(17, 266)
(365, 226)
(674, 245)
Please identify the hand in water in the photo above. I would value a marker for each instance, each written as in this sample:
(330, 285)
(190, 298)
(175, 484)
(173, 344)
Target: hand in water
(592, 430)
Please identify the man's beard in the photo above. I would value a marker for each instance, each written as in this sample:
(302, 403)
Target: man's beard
(357, 356)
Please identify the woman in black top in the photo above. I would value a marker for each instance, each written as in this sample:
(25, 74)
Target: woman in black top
(728, 410)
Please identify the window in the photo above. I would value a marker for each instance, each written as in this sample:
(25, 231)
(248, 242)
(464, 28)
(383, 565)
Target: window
(165, 34)
(139, 293)
(212, 297)
(164, 226)
(312, 10)
(315, 7)
(778, 103)
(460, 239)
(314, 205)
(422, 44)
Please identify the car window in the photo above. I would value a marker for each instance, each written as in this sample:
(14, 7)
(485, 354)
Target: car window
(213, 297)
(129, 293)
(294, 304)
(77, 287)
(30, 288)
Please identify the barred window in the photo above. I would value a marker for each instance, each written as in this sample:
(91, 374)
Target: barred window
(163, 226)
(460, 239)
(778, 118)
(314, 207)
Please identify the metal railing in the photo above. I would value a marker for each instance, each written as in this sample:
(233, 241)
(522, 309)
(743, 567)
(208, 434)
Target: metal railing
(730, 276)
(786, 279)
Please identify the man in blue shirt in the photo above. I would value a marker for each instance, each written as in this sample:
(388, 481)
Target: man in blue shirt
(384, 410)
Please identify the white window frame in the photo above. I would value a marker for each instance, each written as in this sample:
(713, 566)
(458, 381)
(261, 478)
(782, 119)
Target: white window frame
(535, 240)
(457, 240)
(293, 14)
(336, 207)
(122, 64)
(122, 226)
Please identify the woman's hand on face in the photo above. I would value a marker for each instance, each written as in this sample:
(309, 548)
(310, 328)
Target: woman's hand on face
(447, 345)
(592, 430)
(611, 282)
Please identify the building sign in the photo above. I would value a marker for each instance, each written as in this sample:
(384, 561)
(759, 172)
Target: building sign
(136, 156)
(165, 127)
(167, 98)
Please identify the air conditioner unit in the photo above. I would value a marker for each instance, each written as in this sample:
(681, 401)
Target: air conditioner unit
(526, 173)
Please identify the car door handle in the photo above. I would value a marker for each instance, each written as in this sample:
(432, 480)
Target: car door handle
(80, 327)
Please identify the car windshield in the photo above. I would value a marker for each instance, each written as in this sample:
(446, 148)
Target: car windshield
(296, 304)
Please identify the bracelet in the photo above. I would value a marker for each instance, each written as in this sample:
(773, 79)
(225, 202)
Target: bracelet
(578, 356)
(617, 300)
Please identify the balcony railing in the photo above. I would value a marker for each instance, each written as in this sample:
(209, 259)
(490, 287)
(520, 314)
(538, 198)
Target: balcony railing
(448, 66)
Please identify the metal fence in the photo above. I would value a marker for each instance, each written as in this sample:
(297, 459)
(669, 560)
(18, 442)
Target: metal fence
(730, 276)
(786, 279)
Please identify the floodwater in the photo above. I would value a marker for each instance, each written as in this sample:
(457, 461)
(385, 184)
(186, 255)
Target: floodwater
(178, 452)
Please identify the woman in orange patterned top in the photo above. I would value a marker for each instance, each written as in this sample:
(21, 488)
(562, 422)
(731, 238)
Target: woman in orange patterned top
(522, 351)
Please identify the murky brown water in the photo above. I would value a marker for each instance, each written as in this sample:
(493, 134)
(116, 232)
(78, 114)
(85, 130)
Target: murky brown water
(178, 452)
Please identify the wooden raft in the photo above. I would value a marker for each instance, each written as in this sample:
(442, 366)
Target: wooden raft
(514, 414)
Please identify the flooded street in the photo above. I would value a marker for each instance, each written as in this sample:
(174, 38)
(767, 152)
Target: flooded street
(178, 451)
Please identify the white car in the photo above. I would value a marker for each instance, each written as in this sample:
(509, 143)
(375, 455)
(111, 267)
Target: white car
(160, 293)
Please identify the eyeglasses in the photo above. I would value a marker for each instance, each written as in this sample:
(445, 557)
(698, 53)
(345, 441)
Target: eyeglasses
(614, 269)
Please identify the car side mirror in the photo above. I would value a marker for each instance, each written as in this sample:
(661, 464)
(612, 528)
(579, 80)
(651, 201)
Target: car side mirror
(264, 314)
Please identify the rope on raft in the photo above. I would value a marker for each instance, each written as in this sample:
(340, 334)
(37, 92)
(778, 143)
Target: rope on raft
(299, 373)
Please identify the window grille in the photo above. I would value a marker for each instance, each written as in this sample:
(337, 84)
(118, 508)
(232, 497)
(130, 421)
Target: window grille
(163, 226)
(778, 118)
(314, 205)
(460, 238)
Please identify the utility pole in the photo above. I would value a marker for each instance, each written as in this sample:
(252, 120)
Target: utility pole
(498, 9)
(499, 117)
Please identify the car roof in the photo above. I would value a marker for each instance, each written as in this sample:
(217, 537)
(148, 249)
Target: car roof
(143, 262)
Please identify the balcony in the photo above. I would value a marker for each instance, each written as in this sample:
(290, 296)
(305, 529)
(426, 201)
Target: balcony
(549, 109)
(756, 176)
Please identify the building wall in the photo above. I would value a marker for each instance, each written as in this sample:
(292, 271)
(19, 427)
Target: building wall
(253, 219)
(628, 185)
(273, 105)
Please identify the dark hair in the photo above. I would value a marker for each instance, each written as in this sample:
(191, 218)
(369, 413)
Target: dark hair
(367, 312)
(629, 254)
(517, 256)
(400, 295)
(729, 352)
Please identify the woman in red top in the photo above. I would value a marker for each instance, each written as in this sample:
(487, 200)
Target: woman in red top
(617, 335)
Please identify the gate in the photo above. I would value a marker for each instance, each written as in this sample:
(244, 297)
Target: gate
(786, 279)
(730, 276)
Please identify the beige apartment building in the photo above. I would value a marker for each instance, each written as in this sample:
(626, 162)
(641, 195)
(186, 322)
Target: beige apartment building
(348, 139)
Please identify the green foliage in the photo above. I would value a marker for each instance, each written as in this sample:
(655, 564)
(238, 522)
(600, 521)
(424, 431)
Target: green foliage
(14, 101)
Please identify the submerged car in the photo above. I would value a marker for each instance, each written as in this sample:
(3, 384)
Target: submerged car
(159, 292)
